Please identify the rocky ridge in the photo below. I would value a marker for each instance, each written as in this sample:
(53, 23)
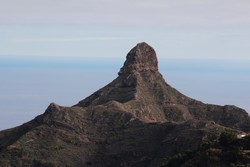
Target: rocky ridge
(141, 90)
(136, 120)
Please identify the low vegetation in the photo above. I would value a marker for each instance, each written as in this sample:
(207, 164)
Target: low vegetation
(228, 151)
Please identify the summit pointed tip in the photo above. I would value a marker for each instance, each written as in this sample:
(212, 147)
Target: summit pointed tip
(141, 58)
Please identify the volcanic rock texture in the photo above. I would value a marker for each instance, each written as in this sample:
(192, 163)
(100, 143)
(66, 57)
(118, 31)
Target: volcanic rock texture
(136, 120)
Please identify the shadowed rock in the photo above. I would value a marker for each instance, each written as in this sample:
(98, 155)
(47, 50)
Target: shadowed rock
(141, 90)
(142, 58)
(136, 120)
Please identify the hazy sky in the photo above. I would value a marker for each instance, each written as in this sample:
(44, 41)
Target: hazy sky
(175, 28)
(157, 13)
(49, 48)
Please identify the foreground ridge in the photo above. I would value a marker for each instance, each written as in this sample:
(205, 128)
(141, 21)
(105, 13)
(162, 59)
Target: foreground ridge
(136, 120)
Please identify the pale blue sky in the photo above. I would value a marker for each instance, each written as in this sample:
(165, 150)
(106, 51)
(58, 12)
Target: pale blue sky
(114, 42)
(108, 28)
(49, 48)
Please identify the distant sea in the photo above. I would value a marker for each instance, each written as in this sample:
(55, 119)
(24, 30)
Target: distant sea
(29, 84)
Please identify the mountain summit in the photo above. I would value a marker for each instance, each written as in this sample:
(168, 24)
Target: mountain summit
(141, 90)
(142, 58)
(136, 120)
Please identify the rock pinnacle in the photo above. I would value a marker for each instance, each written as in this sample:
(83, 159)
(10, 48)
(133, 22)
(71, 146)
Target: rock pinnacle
(142, 58)
(135, 120)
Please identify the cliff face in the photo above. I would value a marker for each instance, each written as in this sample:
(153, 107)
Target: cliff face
(136, 120)
(141, 90)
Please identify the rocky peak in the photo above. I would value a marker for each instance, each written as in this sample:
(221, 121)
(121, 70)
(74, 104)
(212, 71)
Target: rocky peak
(142, 58)
(141, 91)
(136, 120)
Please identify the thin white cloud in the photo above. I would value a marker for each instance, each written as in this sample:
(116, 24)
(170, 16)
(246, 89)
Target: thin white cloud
(69, 39)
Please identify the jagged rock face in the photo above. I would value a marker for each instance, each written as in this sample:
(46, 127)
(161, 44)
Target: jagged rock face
(136, 120)
(141, 58)
(141, 90)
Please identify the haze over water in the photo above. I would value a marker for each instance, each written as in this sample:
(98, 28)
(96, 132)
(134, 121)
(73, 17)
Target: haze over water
(28, 84)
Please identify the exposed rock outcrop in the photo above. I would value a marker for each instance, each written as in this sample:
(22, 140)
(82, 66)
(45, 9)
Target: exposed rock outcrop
(142, 58)
(141, 90)
(136, 120)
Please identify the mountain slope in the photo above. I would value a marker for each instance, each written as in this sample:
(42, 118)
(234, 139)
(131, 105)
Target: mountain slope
(141, 90)
(136, 120)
